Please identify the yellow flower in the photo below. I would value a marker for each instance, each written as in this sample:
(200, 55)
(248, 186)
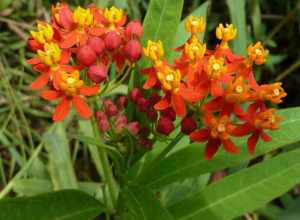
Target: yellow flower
(83, 17)
(154, 50)
(216, 67)
(44, 34)
(113, 15)
(169, 79)
(50, 55)
(226, 34)
(257, 53)
(194, 50)
(70, 82)
(195, 24)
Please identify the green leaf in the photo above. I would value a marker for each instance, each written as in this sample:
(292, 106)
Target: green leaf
(242, 192)
(141, 204)
(162, 18)
(182, 35)
(61, 205)
(60, 163)
(238, 18)
(189, 162)
(292, 212)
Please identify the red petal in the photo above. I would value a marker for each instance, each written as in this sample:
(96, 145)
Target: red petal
(191, 95)
(214, 105)
(200, 135)
(230, 147)
(89, 91)
(50, 94)
(178, 105)
(151, 81)
(211, 148)
(216, 88)
(97, 31)
(265, 136)
(65, 57)
(40, 82)
(69, 41)
(62, 109)
(33, 61)
(162, 104)
(81, 107)
(242, 130)
(252, 141)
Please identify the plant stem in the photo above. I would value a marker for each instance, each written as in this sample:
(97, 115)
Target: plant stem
(289, 70)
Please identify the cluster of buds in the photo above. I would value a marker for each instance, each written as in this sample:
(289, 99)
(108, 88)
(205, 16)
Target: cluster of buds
(85, 41)
(213, 86)
(112, 120)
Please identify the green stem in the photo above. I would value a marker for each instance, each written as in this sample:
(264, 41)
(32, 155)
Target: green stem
(107, 174)
(289, 70)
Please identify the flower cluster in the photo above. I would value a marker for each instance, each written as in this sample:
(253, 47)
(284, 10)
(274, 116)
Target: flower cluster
(217, 83)
(79, 43)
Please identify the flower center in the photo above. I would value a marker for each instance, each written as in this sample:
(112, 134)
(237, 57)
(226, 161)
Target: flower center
(239, 89)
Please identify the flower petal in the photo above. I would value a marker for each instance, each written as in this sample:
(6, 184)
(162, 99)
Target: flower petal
(151, 81)
(242, 130)
(162, 104)
(97, 31)
(33, 61)
(211, 148)
(69, 41)
(62, 109)
(216, 88)
(65, 57)
(81, 107)
(50, 94)
(40, 82)
(200, 135)
(265, 136)
(252, 141)
(178, 105)
(230, 147)
(214, 105)
(89, 91)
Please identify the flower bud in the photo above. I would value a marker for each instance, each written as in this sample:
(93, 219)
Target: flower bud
(143, 104)
(135, 94)
(153, 98)
(33, 45)
(188, 125)
(86, 55)
(145, 143)
(152, 114)
(97, 44)
(97, 73)
(102, 121)
(120, 123)
(110, 108)
(165, 125)
(112, 40)
(133, 50)
(134, 29)
(134, 128)
(170, 113)
(122, 102)
(144, 132)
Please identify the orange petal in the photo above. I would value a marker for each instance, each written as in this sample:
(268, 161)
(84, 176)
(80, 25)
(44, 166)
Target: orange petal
(151, 81)
(230, 147)
(178, 105)
(50, 94)
(216, 88)
(97, 31)
(89, 91)
(65, 57)
(162, 104)
(200, 135)
(81, 107)
(69, 41)
(62, 109)
(40, 82)
(33, 61)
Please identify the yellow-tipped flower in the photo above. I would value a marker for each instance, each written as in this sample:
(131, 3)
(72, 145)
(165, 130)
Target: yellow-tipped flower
(113, 15)
(83, 17)
(50, 55)
(226, 34)
(216, 67)
(169, 79)
(257, 53)
(194, 49)
(44, 34)
(195, 24)
(70, 82)
(154, 50)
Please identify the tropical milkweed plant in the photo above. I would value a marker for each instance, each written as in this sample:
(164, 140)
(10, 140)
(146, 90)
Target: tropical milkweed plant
(177, 128)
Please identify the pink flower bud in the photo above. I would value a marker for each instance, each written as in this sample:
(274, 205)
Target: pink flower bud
(97, 73)
(110, 108)
(169, 112)
(112, 40)
(145, 143)
(133, 50)
(134, 29)
(188, 125)
(135, 94)
(102, 121)
(143, 104)
(97, 44)
(120, 123)
(165, 125)
(122, 102)
(86, 55)
(134, 128)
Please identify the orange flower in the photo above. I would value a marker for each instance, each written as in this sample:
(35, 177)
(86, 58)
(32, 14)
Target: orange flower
(257, 54)
(270, 92)
(71, 92)
(217, 132)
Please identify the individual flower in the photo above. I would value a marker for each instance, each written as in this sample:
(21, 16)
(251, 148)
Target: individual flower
(225, 34)
(195, 24)
(257, 54)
